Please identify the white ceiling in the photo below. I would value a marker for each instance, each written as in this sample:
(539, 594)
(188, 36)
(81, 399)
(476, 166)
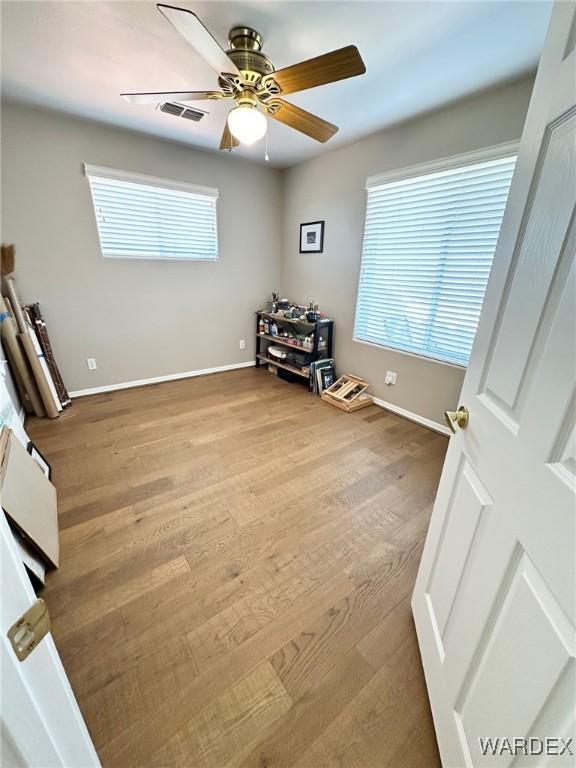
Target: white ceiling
(78, 57)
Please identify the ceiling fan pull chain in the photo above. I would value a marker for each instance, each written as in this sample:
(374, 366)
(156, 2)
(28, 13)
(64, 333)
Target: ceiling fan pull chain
(266, 155)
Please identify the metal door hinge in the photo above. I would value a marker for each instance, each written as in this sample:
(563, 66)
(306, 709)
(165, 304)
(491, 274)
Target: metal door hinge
(26, 633)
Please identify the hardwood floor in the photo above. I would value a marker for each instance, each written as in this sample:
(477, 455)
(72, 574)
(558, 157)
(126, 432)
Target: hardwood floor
(237, 559)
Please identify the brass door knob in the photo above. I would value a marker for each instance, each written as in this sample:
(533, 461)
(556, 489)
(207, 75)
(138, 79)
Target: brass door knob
(459, 417)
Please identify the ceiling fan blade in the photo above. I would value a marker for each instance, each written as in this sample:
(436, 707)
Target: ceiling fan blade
(155, 98)
(192, 29)
(228, 141)
(302, 121)
(328, 68)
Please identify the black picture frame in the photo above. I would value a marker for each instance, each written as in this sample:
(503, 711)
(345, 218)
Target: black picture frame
(312, 237)
(328, 376)
(40, 459)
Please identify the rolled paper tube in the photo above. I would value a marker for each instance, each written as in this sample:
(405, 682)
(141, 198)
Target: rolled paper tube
(22, 374)
(39, 376)
(20, 386)
(15, 304)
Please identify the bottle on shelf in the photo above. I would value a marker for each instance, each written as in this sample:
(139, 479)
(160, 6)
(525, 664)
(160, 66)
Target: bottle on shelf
(260, 326)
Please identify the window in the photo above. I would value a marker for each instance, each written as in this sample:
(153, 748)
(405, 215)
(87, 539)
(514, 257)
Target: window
(429, 240)
(142, 217)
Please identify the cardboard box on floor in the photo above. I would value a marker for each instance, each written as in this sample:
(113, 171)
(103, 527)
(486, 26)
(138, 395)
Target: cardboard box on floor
(28, 497)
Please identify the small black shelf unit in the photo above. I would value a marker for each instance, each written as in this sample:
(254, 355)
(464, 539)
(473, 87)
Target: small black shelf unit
(321, 327)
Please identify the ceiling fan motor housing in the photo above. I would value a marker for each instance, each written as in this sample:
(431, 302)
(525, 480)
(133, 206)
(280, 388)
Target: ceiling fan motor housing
(246, 52)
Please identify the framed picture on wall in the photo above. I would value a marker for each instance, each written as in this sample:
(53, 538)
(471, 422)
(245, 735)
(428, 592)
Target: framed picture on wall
(312, 237)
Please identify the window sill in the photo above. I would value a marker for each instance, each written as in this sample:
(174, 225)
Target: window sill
(426, 358)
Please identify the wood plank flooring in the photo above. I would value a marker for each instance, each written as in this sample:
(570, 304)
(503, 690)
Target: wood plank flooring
(237, 559)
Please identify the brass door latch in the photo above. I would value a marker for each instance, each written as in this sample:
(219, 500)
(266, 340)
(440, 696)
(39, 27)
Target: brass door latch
(26, 633)
(460, 417)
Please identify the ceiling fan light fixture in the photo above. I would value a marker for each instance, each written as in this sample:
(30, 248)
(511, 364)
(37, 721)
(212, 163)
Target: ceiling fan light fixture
(247, 124)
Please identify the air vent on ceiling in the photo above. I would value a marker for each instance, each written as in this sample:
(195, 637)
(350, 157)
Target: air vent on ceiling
(179, 110)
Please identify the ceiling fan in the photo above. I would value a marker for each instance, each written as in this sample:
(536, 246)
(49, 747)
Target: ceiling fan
(247, 77)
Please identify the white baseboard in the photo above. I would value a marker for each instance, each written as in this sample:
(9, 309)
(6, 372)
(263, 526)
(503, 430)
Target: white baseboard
(159, 379)
(443, 430)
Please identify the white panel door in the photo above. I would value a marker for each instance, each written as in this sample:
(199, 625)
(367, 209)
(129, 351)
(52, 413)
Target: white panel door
(494, 602)
(41, 725)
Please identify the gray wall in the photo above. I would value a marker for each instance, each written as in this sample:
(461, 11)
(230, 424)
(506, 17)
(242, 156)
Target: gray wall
(138, 319)
(332, 188)
(144, 319)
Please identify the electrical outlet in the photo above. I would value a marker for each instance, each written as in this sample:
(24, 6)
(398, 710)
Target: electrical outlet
(390, 377)
(242, 343)
(91, 363)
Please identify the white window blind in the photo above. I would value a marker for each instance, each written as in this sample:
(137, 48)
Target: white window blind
(142, 217)
(428, 246)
